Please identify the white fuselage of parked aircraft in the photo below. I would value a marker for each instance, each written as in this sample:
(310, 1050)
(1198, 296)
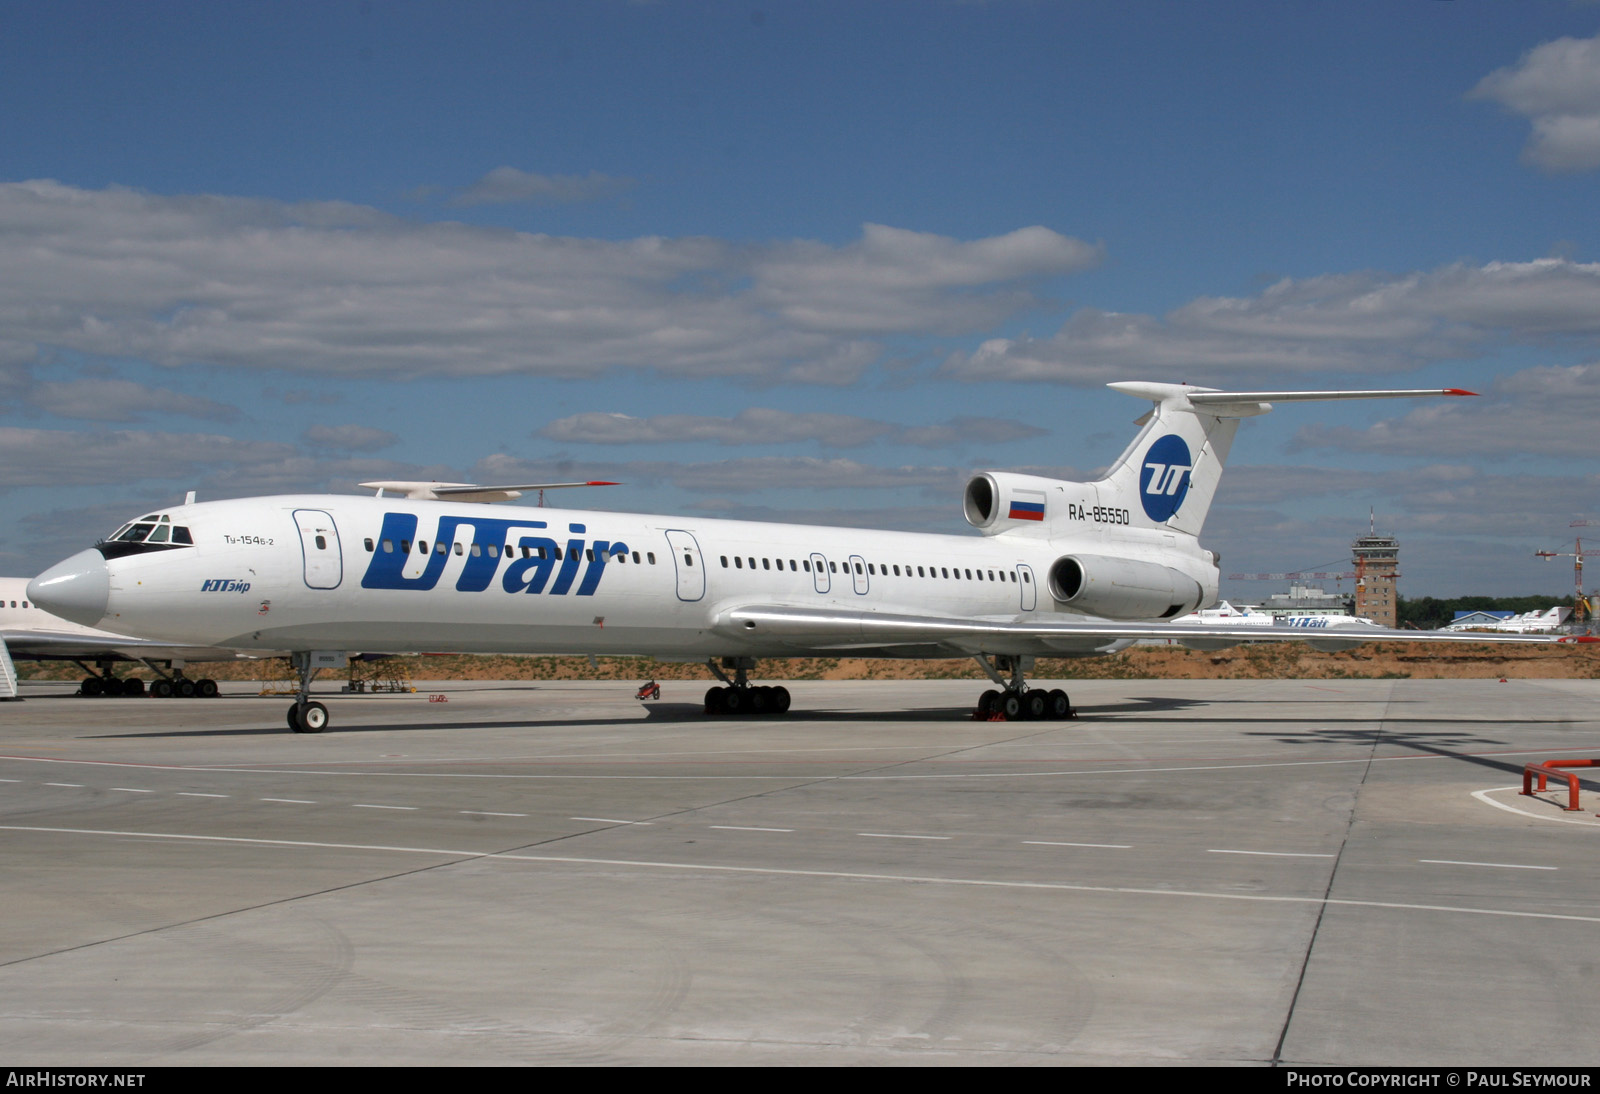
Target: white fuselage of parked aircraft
(1060, 568)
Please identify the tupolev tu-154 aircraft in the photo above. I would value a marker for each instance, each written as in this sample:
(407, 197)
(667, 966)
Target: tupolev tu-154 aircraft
(1060, 569)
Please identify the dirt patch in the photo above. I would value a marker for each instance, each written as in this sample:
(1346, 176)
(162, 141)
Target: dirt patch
(1276, 661)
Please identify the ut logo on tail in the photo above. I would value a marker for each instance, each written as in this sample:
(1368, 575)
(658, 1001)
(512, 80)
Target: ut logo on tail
(1164, 480)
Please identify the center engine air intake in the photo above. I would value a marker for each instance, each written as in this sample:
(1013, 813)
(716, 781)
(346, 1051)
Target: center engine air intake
(999, 501)
(1118, 588)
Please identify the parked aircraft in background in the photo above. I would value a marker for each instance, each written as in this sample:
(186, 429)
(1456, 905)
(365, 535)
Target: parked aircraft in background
(30, 633)
(1059, 569)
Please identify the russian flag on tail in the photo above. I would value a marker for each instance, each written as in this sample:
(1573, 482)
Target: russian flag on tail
(1027, 505)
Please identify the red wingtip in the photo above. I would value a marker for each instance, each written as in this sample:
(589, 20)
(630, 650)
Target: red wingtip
(597, 482)
(1458, 391)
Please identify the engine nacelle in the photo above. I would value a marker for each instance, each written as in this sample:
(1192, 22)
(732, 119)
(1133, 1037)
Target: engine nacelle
(999, 501)
(1119, 588)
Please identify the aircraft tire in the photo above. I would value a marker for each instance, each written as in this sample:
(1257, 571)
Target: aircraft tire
(780, 700)
(133, 686)
(206, 689)
(1036, 704)
(714, 701)
(161, 689)
(1058, 705)
(760, 700)
(988, 703)
(313, 718)
(1011, 706)
(185, 689)
(91, 688)
(734, 701)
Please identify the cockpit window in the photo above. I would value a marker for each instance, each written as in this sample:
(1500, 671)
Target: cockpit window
(155, 532)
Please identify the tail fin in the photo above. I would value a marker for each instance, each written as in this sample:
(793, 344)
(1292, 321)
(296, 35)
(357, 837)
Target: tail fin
(1171, 470)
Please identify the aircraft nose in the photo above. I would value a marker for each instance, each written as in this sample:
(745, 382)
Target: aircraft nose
(77, 589)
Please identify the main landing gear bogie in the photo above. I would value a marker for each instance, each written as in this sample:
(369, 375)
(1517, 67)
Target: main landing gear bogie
(1032, 705)
(739, 696)
(755, 700)
(1014, 700)
(177, 687)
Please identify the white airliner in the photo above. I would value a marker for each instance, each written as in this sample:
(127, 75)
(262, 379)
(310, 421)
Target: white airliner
(29, 633)
(1060, 569)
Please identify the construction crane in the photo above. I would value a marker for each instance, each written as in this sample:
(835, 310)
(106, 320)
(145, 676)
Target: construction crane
(1294, 575)
(1579, 604)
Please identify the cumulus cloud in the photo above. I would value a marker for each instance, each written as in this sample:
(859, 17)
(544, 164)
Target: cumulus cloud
(1344, 322)
(42, 457)
(737, 476)
(119, 401)
(897, 280)
(330, 287)
(348, 438)
(1544, 409)
(1556, 86)
(760, 426)
(507, 185)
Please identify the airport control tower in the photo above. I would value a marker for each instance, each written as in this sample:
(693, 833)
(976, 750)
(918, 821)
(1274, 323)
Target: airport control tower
(1377, 562)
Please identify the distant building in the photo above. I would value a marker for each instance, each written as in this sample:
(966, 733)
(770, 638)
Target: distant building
(1377, 562)
(1527, 623)
(1306, 600)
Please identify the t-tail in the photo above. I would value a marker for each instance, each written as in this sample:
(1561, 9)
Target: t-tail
(1166, 479)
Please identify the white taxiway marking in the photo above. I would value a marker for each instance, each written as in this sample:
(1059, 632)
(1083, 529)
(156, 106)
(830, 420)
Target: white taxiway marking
(611, 820)
(839, 875)
(1062, 843)
(78, 786)
(290, 801)
(132, 790)
(1273, 854)
(747, 828)
(485, 813)
(197, 794)
(406, 808)
(1498, 865)
(1483, 796)
(898, 835)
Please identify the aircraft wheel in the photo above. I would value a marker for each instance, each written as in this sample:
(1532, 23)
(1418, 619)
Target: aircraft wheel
(185, 689)
(133, 686)
(714, 701)
(161, 689)
(734, 701)
(1036, 703)
(1011, 706)
(91, 688)
(110, 687)
(760, 700)
(780, 700)
(313, 718)
(988, 703)
(1058, 706)
(206, 689)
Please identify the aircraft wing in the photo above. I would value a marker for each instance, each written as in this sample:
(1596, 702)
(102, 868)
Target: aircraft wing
(823, 628)
(43, 645)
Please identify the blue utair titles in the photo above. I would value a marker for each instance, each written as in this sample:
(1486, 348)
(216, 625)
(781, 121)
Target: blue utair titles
(541, 560)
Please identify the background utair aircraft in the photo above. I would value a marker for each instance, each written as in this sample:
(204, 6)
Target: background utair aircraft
(1062, 568)
(29, 633)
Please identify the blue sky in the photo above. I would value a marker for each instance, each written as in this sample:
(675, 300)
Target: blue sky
(805, 261)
